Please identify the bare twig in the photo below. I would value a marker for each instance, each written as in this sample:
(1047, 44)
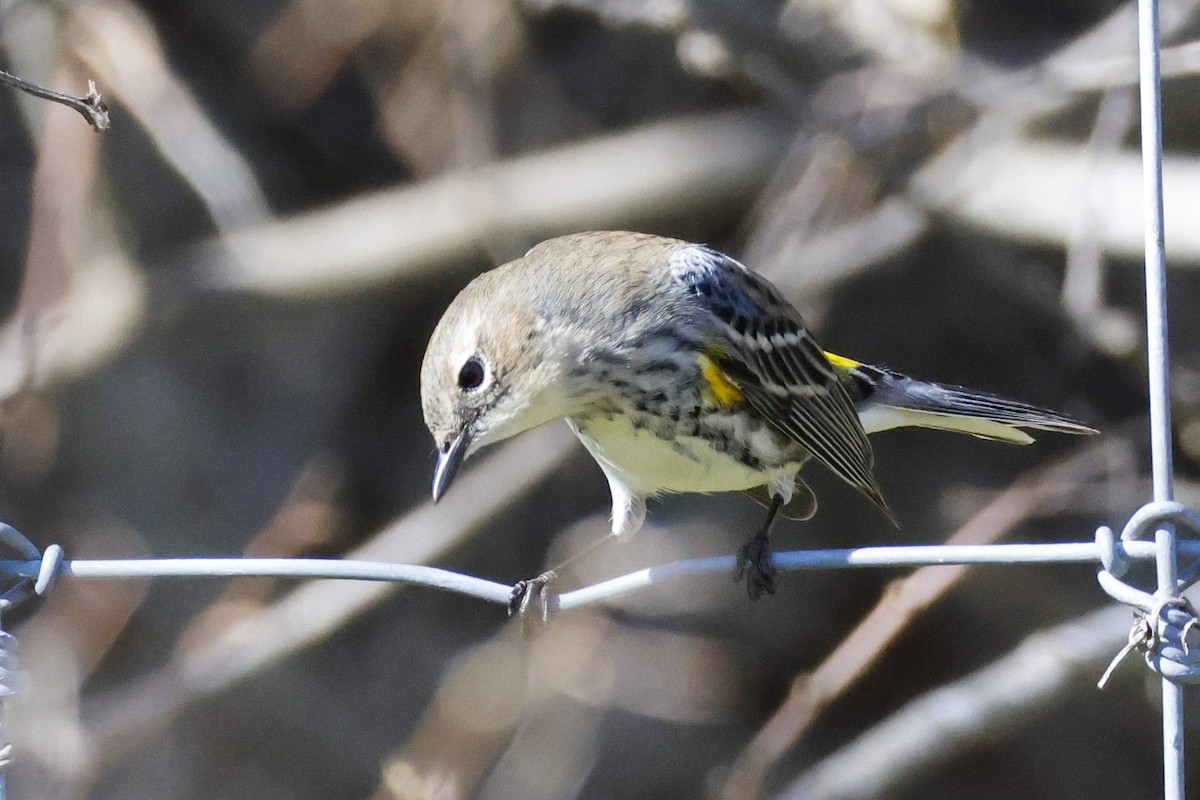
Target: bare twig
(91, 105)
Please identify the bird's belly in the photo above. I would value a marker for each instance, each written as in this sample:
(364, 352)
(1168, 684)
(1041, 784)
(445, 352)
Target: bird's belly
(649, 464)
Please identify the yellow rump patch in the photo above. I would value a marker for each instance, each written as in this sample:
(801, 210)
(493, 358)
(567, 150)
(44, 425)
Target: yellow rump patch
(841, 362)
(724, 391)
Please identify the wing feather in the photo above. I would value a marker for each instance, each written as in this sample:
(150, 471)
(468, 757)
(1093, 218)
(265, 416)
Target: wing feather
(769, 354)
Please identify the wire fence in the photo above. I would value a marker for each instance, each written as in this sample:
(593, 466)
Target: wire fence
(1163, 633)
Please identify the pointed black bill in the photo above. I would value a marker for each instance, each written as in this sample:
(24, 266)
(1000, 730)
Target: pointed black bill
(449, 460)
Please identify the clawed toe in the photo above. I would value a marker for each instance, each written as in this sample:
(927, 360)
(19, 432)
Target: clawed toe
(756, 565)
(531, 593)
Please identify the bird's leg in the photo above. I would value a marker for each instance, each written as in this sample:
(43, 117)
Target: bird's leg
(536, 593)
(756, 562)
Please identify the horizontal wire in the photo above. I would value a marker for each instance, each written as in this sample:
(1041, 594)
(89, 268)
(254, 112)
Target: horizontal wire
(870, 557)
(492, 591)
(416, 574)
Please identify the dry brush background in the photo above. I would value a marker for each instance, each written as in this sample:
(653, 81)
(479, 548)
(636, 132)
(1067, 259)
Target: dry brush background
(213, 317)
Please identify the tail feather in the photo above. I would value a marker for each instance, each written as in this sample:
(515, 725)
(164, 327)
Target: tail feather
(887, 399)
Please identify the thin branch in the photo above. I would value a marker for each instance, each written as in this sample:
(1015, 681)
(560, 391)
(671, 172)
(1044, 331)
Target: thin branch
(91, 105)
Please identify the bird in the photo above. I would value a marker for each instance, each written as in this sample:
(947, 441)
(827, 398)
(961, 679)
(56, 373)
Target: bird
(679, 370)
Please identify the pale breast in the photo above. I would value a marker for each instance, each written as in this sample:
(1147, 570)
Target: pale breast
(649, 464)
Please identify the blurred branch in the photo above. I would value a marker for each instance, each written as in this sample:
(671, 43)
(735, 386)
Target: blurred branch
(1111, 329)
(668, 15)
(882, 30)
(834, 255)
(1108, 71)
(683, 168)
(1103, 57)
(73, 631)
(117, 41)
(902, 602)
(307, 44)
(81, 296)
(522, 718)
(91, 106)
(1083, 283)
(124, 718)
(989, 705)
(1032, 190)
(827, 219)
(906, 103)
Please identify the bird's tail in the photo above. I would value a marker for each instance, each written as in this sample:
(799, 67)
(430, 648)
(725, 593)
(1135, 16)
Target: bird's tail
(887, 399)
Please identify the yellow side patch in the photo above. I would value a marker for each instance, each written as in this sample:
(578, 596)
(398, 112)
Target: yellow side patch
(724, 391)
(841, 362)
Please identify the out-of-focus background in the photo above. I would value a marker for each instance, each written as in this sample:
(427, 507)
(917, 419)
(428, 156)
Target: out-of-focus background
(213, 319)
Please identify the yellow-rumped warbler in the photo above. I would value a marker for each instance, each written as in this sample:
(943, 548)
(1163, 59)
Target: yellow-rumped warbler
(680, 371)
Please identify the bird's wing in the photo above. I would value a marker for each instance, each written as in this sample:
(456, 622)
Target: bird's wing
(767, 353)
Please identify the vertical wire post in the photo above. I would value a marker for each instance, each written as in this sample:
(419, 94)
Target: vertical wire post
(1157, 362)
(1156, 272)
(5, 748)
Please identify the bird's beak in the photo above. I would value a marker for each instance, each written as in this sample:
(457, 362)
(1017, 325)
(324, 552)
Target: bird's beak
(449, 460)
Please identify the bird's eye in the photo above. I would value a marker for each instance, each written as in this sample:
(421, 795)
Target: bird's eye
(471, 375)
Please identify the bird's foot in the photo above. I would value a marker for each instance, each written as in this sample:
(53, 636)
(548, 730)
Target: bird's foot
(756, 565)
(532, 597)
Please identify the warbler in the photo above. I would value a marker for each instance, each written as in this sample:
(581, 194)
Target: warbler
(679, 370)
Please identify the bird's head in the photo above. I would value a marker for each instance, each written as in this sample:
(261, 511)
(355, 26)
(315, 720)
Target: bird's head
(488, 372)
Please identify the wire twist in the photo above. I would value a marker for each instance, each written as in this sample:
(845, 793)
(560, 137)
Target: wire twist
(12, 678)
(50, 566)
(1165, 629)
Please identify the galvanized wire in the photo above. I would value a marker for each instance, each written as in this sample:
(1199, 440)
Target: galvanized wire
(1106, 549)
(1159, 369)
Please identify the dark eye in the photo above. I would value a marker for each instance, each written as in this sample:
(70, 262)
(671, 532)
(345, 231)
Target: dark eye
(471, 375)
